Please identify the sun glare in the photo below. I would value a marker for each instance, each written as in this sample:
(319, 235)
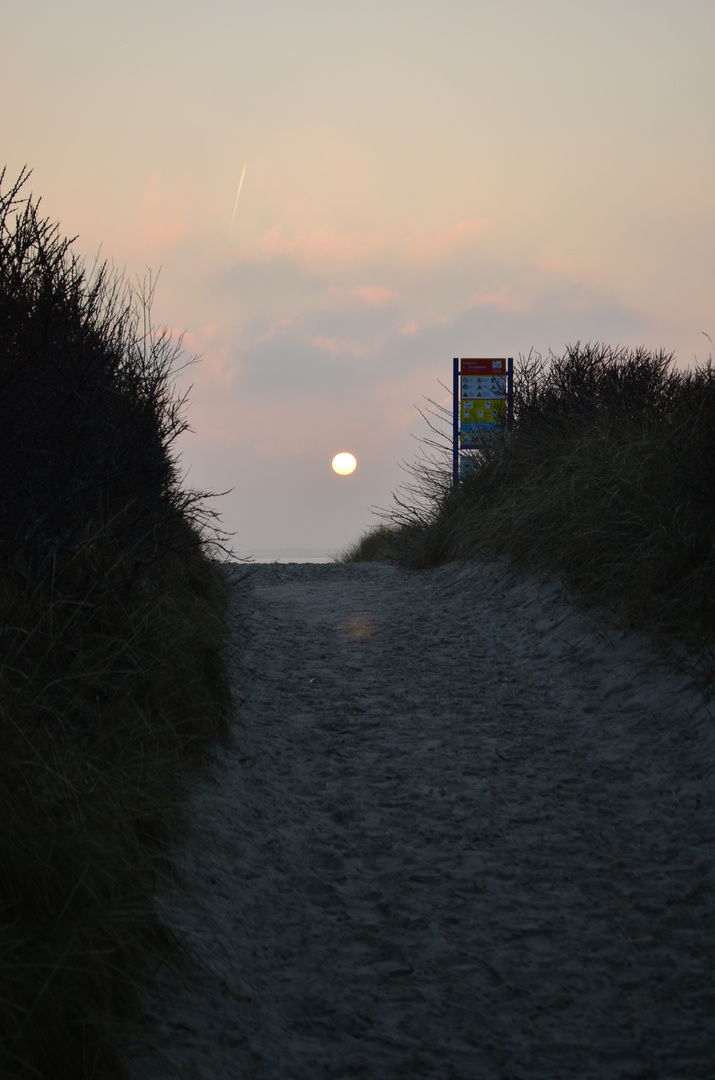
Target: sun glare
(344, 464)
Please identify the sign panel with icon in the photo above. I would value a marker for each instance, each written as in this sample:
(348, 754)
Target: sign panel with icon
(482, 402)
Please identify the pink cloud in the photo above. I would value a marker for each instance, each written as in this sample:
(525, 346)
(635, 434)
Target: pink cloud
(321, 246)
(216, 367)
(372, 295)
(375, 295)
(445, 243)
(501, 299)
(162, 214)
(336, 347)
(554, 263)
(325, 247)
(411, 328)
(274, 329)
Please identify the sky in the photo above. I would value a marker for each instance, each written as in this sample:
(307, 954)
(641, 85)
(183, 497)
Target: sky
(423, 179)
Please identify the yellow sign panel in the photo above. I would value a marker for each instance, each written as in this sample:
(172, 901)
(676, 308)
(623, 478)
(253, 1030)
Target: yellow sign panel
(483, 411)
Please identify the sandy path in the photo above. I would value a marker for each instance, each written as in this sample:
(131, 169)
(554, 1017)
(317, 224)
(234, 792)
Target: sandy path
(462, 837)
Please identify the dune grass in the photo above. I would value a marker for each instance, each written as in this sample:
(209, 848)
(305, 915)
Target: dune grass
(607, 480)
(112, 682)
(375, 545)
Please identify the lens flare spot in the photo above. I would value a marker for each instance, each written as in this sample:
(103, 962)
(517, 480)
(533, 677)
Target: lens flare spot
(343, 464)
(356, 626)
(360, 627)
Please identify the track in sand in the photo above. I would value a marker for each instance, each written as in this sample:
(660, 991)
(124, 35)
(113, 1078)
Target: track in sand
(462, 835)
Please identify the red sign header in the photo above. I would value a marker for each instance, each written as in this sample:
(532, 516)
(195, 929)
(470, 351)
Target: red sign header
(483, 367)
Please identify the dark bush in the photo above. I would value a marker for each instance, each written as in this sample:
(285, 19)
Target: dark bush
(592, 380)
(88, 410)
(113, 686)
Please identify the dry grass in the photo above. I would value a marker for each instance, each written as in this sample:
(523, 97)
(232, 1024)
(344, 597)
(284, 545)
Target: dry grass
(112, 683)
(607, 480)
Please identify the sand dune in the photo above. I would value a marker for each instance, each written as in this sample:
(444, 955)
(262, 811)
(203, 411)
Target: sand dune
(462, 835)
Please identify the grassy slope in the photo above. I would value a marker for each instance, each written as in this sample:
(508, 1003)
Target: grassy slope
(607, 479)
(112, 685)
(108, 703)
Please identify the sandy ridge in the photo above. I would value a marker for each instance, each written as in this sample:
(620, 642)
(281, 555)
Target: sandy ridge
(461, 836)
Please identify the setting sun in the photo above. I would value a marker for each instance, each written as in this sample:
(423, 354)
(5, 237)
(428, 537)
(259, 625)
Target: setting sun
(344, 464)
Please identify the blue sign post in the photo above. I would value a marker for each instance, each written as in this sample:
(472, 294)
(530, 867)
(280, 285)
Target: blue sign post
(483, 400)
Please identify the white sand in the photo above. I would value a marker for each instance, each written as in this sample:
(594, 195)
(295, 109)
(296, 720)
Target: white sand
(462, 836)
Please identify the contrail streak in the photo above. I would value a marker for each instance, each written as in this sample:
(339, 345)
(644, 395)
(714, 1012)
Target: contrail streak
(235, 205)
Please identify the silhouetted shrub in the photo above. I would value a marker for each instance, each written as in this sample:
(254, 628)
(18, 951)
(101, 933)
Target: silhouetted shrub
(113, 685)
(87, 408)
(592, 380)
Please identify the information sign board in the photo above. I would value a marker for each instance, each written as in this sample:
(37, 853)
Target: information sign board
(483, 386)
(482, 391)
(483, 367)
(483, 400)
(483, 410)
(474, 435)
